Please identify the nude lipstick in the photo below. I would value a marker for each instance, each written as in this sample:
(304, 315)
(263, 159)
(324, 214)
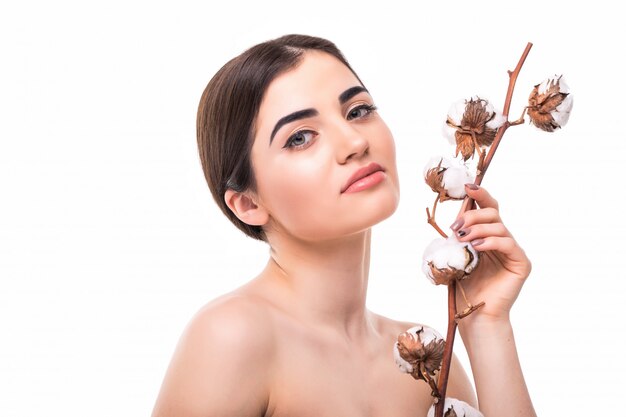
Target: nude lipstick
(364, 178)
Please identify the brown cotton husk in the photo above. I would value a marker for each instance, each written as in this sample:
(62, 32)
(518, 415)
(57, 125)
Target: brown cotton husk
(475, 120)
(473, 131)
(434, 179)
(540, 106)
(464, 144)
(443, 276)
(423, 358)
(433, 354)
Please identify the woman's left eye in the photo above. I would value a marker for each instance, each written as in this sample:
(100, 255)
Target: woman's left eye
(361, 111)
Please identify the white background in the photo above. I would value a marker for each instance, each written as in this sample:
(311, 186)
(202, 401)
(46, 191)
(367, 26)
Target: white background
(110, 241)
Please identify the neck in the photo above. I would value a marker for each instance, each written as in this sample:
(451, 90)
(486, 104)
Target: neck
(325, 283)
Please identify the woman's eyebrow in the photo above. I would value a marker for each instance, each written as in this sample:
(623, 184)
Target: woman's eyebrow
(303, 114)
(297, 115)
(351, 92)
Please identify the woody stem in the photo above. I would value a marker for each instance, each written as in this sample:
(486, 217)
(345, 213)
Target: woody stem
(468, 204)
(481, 161)
(431, 219)
(470, 307)
(428, 379)
(447, 352)
(521, 118)
(464, 296)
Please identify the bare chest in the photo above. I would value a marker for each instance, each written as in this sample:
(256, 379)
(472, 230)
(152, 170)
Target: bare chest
(314, 379)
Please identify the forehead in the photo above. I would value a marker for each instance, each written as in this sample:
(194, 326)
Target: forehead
(318, 78)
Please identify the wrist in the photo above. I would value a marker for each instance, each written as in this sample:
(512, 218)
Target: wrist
(473, 329)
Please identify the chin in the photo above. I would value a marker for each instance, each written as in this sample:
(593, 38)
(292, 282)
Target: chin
(357, 214)
(368, 212)
(382, 209)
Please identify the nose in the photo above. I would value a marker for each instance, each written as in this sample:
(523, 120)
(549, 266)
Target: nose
(351, 142)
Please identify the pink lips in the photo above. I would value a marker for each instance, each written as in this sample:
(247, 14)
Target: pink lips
(364, 178)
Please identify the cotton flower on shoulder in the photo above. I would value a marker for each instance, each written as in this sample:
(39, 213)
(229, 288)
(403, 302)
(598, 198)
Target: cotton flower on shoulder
(550, 104)
(419, 352)
(472, 125)
(448, 259)
(456, 408)
(447, 177)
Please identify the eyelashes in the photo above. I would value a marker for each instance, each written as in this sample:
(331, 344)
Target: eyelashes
(301, 139)
(305, 137)
(361, 111)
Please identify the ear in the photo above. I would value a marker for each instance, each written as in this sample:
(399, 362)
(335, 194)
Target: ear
(246, 208)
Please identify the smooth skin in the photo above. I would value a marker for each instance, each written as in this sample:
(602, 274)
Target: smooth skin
(298, 340)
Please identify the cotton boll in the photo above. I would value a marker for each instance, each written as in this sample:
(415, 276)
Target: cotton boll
(544, 85)
(561, 114)
(497, 121)
(563, 87)
(488, 106)
(424, 334)
(419, 352)
(550, 104)
(431, 250)
(455, 115)
(448, 259)
(449, 133)
(433, 176)
(435, 162)
(454, 180)
(461, 409)
(451, 253)
(456, 111)
(447, 177)
(403, 365)
(475, 122)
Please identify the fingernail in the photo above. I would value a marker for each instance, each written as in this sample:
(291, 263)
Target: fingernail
(462, 232)
(477, 242)
(472, 186)
(457, 224)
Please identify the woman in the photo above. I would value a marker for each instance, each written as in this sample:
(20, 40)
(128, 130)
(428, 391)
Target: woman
(296, 155)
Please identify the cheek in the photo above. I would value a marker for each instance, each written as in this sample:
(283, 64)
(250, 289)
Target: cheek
(297, 192)
(302, 191)
(385, 146)
(389, 143)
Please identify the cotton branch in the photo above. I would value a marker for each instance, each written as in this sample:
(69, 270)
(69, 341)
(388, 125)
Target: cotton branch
(431, 218)
(482, 170)
(468, 204)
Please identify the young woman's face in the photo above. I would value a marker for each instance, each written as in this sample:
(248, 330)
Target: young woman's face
(323, 159)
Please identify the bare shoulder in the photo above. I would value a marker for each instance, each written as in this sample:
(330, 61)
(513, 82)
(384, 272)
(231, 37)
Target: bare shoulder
(222, 362)
(236, 316)
(387, 326)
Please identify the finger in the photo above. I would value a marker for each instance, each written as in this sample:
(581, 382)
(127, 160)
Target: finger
(471, 217)
(508, 247)
(505, 245)
(481, 196)
(481, 231)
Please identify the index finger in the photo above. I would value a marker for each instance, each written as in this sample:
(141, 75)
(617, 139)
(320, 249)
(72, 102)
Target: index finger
(481, 196)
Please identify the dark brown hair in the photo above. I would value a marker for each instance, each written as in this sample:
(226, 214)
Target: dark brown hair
(229, 107)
